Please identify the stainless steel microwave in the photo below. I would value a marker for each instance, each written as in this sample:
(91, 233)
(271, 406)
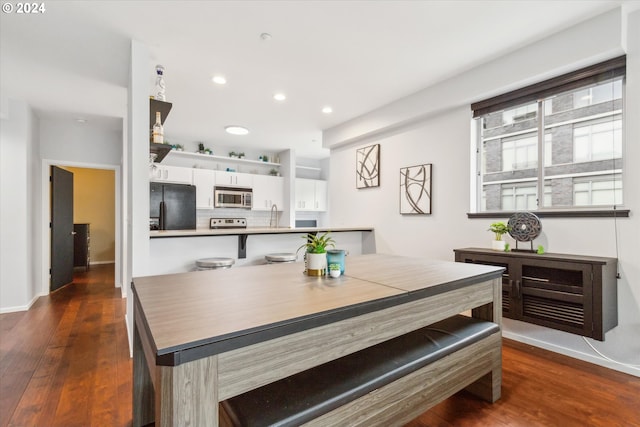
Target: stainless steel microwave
(232, 197)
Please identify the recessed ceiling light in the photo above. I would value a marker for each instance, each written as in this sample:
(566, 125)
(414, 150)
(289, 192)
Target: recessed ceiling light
(327, 110)
(236, 130)
(279, 96)
(219, 80)
(81, 120)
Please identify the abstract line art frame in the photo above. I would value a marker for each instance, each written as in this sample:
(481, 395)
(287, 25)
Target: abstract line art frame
(415, 190)
(368, 166)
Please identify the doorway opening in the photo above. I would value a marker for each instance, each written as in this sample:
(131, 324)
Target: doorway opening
(96, 221)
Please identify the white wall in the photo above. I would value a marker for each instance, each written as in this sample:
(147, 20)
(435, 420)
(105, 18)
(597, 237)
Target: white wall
(434, 126)
(26, 141)
(18, 140)
(71, 142)
(137, 171)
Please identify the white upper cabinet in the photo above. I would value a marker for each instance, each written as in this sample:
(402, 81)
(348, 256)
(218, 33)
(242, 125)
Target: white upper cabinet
(233, 179)
(204, 180)
(267, 191)
(175, 174)
(311, 195)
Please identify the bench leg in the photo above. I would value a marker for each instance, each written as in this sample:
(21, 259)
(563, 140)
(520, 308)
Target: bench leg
(488, 387)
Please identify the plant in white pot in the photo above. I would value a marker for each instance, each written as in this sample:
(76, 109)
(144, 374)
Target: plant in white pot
(499, 228)
(316, 252)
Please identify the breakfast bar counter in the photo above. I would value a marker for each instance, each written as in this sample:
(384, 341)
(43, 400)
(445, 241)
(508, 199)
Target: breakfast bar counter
(203, 337)
(156, 234)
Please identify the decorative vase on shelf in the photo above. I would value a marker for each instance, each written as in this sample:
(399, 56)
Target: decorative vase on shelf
(160, 86)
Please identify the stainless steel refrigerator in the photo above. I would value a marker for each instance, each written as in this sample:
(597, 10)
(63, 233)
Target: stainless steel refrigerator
(173, 206)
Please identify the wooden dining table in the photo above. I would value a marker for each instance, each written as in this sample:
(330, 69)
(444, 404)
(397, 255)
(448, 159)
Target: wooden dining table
(206, 336)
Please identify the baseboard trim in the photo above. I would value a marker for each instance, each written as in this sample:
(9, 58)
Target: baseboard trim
(17, 308)
(101, 262)
(572, 353)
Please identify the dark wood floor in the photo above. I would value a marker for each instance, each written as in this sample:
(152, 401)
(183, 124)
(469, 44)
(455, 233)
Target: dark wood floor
(66, 362)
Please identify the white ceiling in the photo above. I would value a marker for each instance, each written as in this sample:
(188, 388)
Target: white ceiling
(73, 59)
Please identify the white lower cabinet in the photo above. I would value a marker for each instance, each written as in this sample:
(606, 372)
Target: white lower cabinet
(204, 180)
(311, 195)
(268, 191)
(175, 174)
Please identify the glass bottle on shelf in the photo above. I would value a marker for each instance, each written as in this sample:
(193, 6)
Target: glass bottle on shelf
(159, 90)
(158, 130)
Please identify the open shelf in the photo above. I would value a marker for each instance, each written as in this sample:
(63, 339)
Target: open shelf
(309, 168)
(199, 156)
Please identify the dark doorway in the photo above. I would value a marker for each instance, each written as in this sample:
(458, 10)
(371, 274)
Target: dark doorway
(61, 227)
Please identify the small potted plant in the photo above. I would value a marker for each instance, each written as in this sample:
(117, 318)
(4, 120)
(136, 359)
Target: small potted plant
(233, 154)
(240, 155)
(316, 252)
(334, 270)
(499, 228)
(200, 148)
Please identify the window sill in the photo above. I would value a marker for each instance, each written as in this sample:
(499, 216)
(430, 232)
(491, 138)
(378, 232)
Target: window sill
(592, 213)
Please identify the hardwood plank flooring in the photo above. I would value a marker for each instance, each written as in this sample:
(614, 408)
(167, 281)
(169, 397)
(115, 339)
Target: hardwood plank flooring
(65, 362)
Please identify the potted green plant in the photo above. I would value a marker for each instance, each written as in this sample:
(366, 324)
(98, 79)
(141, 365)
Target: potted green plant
(241, 155)
(316, 252)
(334, 270)
(498, 229)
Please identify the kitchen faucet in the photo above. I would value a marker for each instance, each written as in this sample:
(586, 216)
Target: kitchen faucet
(273, 206)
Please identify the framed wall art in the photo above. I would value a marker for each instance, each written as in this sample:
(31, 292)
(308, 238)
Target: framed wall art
(368, 166)
(415, 190)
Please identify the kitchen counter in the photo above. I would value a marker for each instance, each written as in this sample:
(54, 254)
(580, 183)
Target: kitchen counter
(250, 230)
(176, 251)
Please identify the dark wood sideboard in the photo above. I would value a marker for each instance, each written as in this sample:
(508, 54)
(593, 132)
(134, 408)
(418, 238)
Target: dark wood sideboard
(571, 293)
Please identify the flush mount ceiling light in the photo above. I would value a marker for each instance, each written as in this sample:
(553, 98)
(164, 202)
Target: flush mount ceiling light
(279, 96)
(265, 36)
(327, 110)
(236, 130)
(81, 120)
(221, 80)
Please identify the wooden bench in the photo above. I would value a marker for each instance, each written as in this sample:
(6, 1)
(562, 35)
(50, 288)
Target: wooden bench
(388, 384)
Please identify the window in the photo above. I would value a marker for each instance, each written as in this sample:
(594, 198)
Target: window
(572, 122)
(520, 153)
(597, 191)
(598, 141)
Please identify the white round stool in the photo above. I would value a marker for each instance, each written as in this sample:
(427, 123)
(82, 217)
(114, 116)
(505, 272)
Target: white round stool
(214, 263)
(279, 258)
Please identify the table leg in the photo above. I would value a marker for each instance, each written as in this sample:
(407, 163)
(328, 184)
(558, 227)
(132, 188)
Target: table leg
(143, 411)
(188, 394)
